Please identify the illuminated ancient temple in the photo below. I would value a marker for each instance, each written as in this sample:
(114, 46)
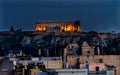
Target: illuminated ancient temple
(58, 26)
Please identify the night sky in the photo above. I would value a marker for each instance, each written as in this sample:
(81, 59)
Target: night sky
(95, 15)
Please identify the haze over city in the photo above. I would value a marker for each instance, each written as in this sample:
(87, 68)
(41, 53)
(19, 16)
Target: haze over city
(94, 15)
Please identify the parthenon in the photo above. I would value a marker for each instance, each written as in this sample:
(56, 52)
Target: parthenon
(58, 26)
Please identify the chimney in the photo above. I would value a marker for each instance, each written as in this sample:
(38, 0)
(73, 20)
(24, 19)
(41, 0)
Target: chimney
(65, 57)
(39, 52)
(47, 52)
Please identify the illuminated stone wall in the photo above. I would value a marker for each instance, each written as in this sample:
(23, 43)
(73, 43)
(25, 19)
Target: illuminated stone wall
(57, 26)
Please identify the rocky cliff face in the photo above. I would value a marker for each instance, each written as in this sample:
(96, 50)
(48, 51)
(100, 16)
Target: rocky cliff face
(31, 43)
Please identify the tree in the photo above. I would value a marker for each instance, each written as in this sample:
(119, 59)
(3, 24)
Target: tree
(93, 33)
(11, 28)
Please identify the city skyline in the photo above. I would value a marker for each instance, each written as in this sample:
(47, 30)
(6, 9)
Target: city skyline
(100, 15)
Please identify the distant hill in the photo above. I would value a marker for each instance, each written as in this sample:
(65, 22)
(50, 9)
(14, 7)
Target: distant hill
(29, 42)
